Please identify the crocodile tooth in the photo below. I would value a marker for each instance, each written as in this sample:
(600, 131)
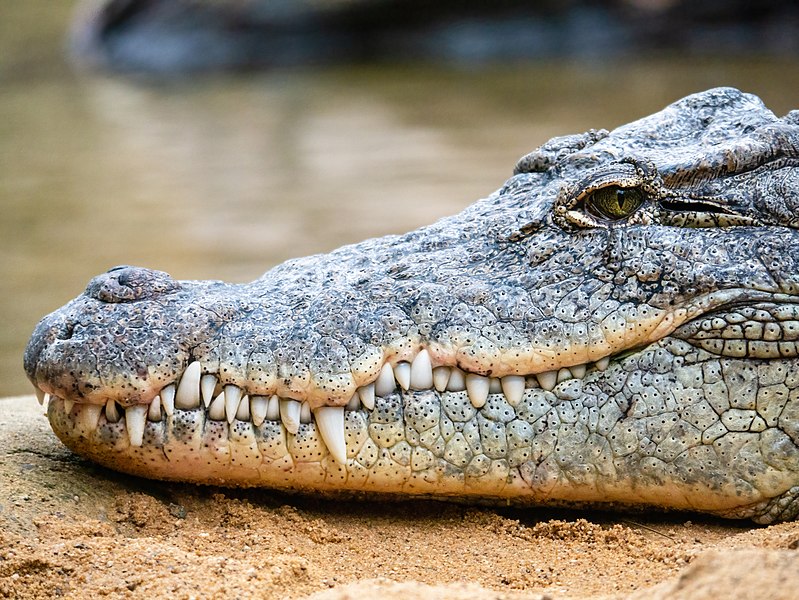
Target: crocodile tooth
(441, 378)
(421, 371)
(494, 385)
(232, 401)
(354, 403)
(563, 375)
(216, 410)
(513, 388)
(39, 395)
(578, 371)
(111, 412)
(207, 387)
(330, 424)
(68, 404)
(273, 410)
(457, 380)
(243, 412)
(88, 415)
(168, 399)
(290, 414)
(547, 380)
(259, 405)
(385, 384)
(603, 363)
(305, 413)
(403, 374)
(477, 387)
(135, 420)
(367, 394)
(188, 394)
(154, 410)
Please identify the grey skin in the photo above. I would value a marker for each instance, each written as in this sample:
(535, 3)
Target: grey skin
(625, 312)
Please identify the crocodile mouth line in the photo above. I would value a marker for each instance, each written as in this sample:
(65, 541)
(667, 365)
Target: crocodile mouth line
(195, 390)
(731, 329)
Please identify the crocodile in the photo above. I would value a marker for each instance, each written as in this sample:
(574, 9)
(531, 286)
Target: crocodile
(616, 326)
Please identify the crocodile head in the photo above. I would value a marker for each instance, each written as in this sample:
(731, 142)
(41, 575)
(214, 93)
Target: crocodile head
(617, 324)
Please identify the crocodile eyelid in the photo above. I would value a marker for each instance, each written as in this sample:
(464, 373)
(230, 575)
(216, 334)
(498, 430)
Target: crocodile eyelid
(629, 173)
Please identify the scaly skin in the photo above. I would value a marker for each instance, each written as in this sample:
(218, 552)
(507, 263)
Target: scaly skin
(644, 353)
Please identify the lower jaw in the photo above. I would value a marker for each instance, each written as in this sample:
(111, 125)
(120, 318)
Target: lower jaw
(401, 447)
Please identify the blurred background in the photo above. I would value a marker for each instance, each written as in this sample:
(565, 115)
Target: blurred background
(213, 139)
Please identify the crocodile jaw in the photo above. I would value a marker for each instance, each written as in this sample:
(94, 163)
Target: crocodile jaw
(565, 445)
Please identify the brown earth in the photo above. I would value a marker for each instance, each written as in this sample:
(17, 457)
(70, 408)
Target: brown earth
(71, 529)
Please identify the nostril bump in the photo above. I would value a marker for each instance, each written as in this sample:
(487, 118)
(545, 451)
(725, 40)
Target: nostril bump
(128, 284)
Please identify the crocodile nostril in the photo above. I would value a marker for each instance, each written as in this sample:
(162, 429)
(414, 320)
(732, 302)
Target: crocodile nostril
(128, 284)
(66, 331)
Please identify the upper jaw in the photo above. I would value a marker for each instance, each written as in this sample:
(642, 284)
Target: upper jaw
(72, 356)
(312, 330)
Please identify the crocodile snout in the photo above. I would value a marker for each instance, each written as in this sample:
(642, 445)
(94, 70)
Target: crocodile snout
(128, 284)
(101, 340)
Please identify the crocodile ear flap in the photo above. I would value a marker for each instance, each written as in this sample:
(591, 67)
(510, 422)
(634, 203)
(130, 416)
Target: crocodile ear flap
(556, 149)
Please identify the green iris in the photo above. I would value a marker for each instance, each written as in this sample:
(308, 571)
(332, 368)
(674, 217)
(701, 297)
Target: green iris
(614, 202)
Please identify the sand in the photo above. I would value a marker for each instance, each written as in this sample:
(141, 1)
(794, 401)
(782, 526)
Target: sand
(71, 529)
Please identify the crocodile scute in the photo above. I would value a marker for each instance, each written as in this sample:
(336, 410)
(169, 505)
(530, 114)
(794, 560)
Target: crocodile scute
(616, 326)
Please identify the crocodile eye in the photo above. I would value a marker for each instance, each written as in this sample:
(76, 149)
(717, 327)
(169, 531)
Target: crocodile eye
(614, 202)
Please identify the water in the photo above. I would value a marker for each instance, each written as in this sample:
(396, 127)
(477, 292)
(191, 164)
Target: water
(223, 177)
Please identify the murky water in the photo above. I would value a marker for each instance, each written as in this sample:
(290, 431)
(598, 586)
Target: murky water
(222, 178)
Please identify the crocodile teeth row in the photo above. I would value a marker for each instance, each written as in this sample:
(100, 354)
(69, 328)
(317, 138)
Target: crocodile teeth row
(229, 403)
(421, 375)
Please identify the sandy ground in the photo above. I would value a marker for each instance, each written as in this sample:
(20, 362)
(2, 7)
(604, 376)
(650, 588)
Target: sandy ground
(70, 529)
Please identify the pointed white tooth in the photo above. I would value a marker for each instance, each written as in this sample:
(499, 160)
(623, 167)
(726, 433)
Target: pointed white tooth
(232, 400)
(188, 394)
(259, 405)
(563, 375)
(513, 388)
(290, 414)
(207, 387)
(367, 394)
(305, 413)
(603, 363)
(494, 385)
(577, 371)
(457, 380)
(68, 404)
(421, 371)
(216, 410)
(243, 412)
(548, 380)
(39, 395)
(168, 399)
(441, 378)
(477, 388)
(135, 420)
(88, 416)
(111, 412)
(354, 403)
(403, 374)
(330, 424)
(385, 383)
(47, 398)
(154, 411)
(273, 410)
